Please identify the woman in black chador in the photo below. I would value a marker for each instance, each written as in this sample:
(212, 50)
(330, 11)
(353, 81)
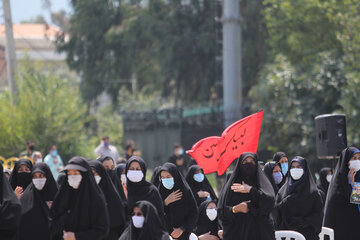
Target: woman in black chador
(20, 176)
(180, 205)
(79, 210)
(324, 181)
(272, 171)
(138, 188)
(299, 205)
(246, 202)
(199, 185)
(10, 209)
(36, 202)
(340, 214)
(115, 206)
(207, 222)
(145, 224)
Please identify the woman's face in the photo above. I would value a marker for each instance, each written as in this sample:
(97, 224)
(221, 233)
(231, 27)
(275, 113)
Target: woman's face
(95, 172)
(198, 171)
(295, 165)
(249, 160)
(276, 169)
(73, 172)
(137, 212)
(211, 205)
(108, 164)
(355, 157)
(38, 175)
(23, 168)
(283, 160)
(135, 165)
(165, 174)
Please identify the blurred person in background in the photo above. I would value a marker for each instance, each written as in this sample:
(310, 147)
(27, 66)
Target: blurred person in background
(30, 147)
(105, 149)
(37, 157)
(129, 149)
(178, 159)
(53, 160)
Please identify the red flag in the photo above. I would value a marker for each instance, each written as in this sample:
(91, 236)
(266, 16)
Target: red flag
(217, 153)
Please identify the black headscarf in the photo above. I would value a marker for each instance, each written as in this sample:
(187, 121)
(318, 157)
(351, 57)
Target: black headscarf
(256, 224)
(153, 228)
(10, 209)
(204, 224)
(143, 190)
(340, 214)
(115, 206)
(184, 212)
(278, 155)
(323, 184)
(276, 158)
(155, 178)
(299, 205)
(114, 178)
(21, 179)
(199, 186)
(34, 206)
(83, 210)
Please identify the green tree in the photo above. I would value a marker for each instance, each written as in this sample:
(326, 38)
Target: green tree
(49, 111)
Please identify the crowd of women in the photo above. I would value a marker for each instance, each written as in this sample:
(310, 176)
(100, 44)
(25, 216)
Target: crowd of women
(94, 200)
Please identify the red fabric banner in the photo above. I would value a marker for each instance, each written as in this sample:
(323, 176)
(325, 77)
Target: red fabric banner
(217, 153)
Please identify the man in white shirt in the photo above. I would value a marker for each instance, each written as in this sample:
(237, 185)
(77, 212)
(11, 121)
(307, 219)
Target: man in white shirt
(105, 149)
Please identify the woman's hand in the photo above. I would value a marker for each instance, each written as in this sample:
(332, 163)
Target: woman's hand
(241, 207)
(203, 194)
(173, 197)
(176, 233)
(220, 234)
(208, 236)
(241, 188)
(18, 191)
(352, 173)
(69, 235)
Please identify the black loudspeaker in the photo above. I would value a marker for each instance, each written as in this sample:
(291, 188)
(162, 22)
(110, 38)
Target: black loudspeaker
(330, 135)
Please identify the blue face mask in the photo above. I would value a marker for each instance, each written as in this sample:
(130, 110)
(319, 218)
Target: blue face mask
(181, 151)
(199, 177)
(278, 177)
(168, 183)
(284, 168)
(106, 144)
(54, 153)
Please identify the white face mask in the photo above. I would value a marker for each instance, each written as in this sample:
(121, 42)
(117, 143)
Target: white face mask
(355, 164)
(123, 178)
(329, 177)
(296, 173)
(138, 221)
(39, 160)
(135, 175)
(211, 213)
(97, 179)
(74, 181)
(39, 183)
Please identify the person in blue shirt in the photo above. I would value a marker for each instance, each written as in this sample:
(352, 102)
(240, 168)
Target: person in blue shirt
(54, 161)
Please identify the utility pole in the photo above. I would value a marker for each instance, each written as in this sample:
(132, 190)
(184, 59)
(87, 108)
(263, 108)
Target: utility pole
(232, 88)
(10, 50)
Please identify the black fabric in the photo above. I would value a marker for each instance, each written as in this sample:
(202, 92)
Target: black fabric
(202, 186)
(115, 179)
(299, 205)
(268, 170)
(155, 178)
(83, 210)
(143, 190)
(323, 184)
(61, 178)
(256, 224)
(10, 209)
(115, 206)
(182, 168)
(340, 214)
(153, 229)
(184, 212)
(204, 224)
(21, 179)
(34, 206)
